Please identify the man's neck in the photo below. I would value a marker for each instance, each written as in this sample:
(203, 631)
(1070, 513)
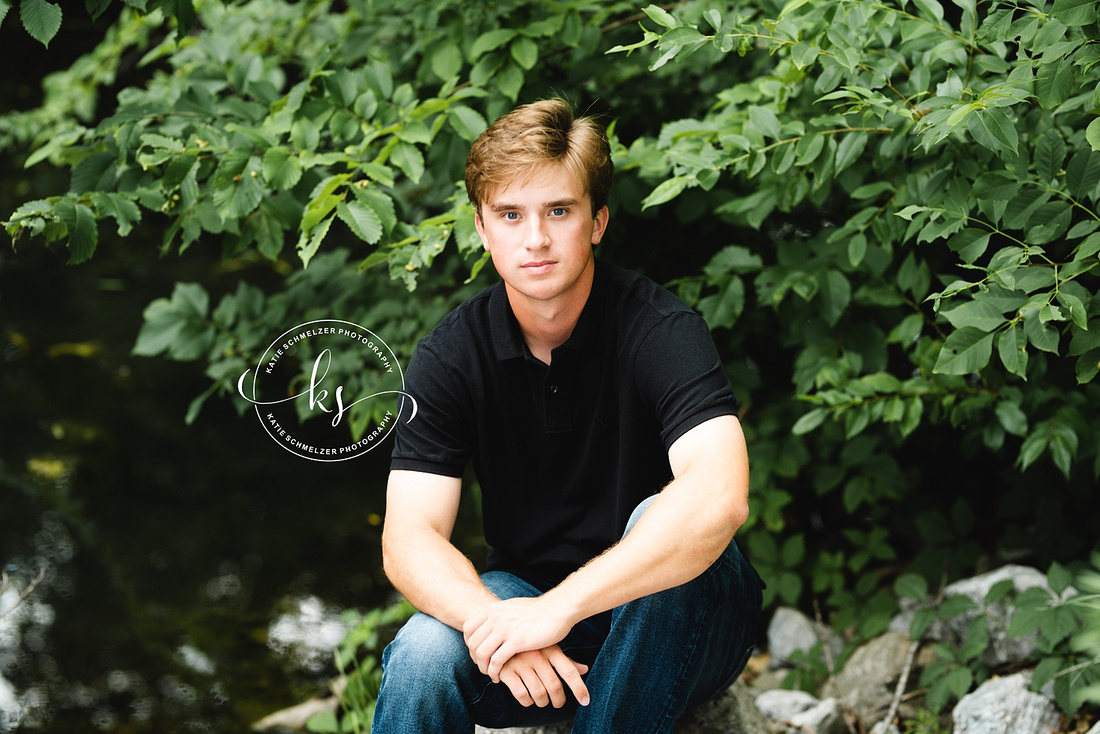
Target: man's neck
(546, 325)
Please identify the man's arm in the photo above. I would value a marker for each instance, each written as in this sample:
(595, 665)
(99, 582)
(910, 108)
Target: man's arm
(417, 552)
(424, 565)
(686, 528)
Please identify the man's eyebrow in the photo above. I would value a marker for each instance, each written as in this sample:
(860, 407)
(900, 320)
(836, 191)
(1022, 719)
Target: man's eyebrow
(503, 206)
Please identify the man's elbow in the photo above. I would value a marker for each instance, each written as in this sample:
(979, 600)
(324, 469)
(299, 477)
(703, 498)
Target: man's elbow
(390, 558)
(734, 511)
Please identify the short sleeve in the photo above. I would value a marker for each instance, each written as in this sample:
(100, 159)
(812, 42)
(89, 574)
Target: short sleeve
(438, 439)
(680, 376)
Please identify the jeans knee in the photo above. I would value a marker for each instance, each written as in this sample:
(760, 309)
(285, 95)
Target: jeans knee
(425, 654)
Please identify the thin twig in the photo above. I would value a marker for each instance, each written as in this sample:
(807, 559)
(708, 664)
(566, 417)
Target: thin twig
(5, 584)
(903, 681)
(830, 662)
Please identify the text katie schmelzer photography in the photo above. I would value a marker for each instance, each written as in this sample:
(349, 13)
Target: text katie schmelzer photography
(316, 374)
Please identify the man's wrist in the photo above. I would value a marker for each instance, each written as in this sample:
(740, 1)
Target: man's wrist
(558, 603)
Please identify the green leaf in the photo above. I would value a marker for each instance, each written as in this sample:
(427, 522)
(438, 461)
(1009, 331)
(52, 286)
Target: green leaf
(720, 310)
(324, 722)
(124, 211)
(809, 421)
(409, 159)
(1075, 12)
(1092, 134)
(911, 586)
(310, 242)
(964, 351)
(930, 8)
(661, 16)
(5, 6)
(1059, 578)
(447, 60)
(1053, 83)
(955, 684)
(666, 191)
(849, 150)
(833, 295)
(979, 314)
(1011, 418)
(361, 219)
(237, 189)
(1050, 154)
(467, 122)
(491, 40)
(83, 233)
(41, 19)
(993, 129)
(509, 80)
(282, 169)
(525, 52)
(765, 122)
(1083, 173)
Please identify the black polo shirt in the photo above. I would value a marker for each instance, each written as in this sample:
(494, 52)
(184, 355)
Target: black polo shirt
(564, 452)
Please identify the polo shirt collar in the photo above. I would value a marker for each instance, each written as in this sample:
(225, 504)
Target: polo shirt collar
(508, 339)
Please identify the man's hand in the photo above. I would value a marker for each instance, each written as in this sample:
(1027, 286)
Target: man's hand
(537, 676)
(506, 628)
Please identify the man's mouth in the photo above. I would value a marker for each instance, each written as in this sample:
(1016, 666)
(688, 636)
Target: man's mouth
(540, 266)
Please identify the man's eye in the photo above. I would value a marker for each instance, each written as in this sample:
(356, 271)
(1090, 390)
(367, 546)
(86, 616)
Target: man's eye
(557, 212)
(511, 216)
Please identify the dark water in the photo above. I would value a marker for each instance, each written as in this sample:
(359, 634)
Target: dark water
(182, 562)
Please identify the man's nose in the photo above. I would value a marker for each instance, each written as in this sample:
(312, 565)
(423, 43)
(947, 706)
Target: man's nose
(538, 235)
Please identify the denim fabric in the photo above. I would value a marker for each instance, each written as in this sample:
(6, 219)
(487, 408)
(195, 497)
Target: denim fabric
(663, 654)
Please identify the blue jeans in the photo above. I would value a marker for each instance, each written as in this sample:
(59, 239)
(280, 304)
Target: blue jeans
(650, 660)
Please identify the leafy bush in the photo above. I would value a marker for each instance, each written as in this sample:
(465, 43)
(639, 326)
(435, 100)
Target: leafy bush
(1061, 621)
(886, 211)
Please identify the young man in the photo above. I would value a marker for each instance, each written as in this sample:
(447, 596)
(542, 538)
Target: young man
(613, 472)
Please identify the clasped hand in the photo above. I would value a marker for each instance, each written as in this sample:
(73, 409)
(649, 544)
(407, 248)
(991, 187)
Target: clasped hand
(515, 642)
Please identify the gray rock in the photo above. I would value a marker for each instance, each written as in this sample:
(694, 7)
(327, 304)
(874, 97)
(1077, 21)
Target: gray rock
(558, 729)
(824, 718)
(779, 705)
(885, 727)
(790, 631)
(1002, 649)
(867, 682)
(733, 712)
(1005, 705)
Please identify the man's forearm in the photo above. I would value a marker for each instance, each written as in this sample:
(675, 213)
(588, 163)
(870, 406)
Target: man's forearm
(436, 578)
(677, 538)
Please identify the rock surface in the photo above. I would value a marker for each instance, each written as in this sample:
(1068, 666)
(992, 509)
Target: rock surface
(791, 631)
(1005, 705)
(867, 682)
(734, 712)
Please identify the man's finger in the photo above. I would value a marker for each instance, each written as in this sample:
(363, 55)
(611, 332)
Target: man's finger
(570, 674)
(496, 659)
(516, 686)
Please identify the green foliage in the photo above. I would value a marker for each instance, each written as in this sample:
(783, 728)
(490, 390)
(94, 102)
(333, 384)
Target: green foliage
(42, 19)
(1064, 624)
(1060, 620)
(887, 213)
(358, 660)
(925, 723)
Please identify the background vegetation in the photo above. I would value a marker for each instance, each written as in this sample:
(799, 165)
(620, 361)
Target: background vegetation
(887, 211)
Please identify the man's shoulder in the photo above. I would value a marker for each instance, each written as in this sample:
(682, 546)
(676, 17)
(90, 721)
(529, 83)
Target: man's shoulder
(469, 318)
(635, 295)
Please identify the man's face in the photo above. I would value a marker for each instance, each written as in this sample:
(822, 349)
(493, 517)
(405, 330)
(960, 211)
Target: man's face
(539, 232)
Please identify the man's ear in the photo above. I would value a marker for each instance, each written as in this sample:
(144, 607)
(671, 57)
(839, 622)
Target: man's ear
(600, 226)
(481, 231)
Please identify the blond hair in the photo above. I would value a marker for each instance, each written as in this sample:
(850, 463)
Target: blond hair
(535, 135)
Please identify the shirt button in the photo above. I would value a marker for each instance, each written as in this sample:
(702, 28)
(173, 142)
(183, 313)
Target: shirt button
(554, 389)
